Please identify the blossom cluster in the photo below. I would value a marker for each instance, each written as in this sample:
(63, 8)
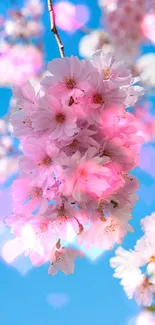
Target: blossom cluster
(136, 268)
(124, 22)
(21, 53)
(18, 63)
(79, 145)
(126, 25)
(25, 22)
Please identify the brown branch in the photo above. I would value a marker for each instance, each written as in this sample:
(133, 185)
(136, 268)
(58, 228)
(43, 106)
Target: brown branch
(54, 29)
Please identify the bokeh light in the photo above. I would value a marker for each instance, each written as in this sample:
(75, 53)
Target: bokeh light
(148, 27)
(70, 17)
(145, 318)
(58, 300)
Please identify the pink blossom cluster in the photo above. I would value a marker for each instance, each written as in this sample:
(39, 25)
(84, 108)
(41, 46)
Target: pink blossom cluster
(21, 53)
(9, 153)
(124, 21)
(79, 146)
(137, 282)
(18, 63)
(23, 22)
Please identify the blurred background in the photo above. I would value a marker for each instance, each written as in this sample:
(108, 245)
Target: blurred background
(28, 295)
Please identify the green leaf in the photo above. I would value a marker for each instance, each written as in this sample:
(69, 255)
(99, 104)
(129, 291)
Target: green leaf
(151, 308)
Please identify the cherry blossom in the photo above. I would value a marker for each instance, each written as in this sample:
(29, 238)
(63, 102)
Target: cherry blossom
(93, 41)
(28, 59)
(21, 43)
(128, 265)
(63, 259)
(79, 144)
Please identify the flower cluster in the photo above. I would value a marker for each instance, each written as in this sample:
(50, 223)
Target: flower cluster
(9, 152)
(128, 265)
(79, 145)
(124, 22)
(19, 63)
(21, 54)
(25, 22)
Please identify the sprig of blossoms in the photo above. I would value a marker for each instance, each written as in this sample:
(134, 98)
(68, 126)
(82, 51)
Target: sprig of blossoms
(138, 284)
(79, 145)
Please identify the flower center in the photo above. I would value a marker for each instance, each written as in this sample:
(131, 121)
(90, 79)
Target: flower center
(62, 212)
(82, 173)
(58, 256)
(43, 227)
(107, 153)
(70, 83)
(45, 161)
(74, 144)
(60, 118)
(111, 228)
(145, 285)
(36, 193)
(114, 203)
(28, 123)
(152, 259)
(134, 36)
(107, 74)
(101, 206)
(97, 99)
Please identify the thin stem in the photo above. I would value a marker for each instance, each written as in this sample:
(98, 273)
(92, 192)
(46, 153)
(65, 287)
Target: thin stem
(54, 29)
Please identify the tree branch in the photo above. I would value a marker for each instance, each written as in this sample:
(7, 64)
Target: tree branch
(54, 29)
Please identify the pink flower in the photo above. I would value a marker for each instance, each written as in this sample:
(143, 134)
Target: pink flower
(104, 233)
(118, 152)
(100, 98)
(70, 77)
(85, 175)
(22, 124)
(79, 142)
(63, 213)
(111, 70)
(21, 63)
(57, 119)
(39, 239)
(28, 195)
(25, 96)
(39, 158)
(63, 259)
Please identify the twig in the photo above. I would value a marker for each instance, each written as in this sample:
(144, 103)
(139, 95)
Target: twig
(54, 29)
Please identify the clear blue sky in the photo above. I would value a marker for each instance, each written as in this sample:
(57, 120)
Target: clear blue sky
(94, 296)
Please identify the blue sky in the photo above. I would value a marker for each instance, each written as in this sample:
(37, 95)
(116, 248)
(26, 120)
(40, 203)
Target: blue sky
(91, 295)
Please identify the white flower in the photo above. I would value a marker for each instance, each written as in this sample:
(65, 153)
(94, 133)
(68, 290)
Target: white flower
(148, 224)
(145, 247)
(145, 65)
(94, 41)
(126, 263)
